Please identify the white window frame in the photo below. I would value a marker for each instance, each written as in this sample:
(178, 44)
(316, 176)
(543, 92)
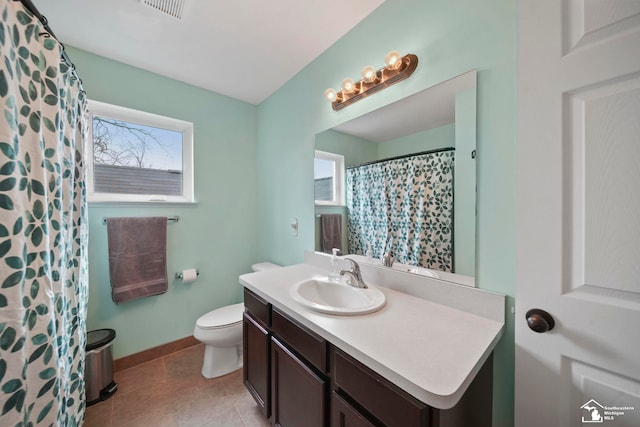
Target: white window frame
(338, 178)
(103, 109)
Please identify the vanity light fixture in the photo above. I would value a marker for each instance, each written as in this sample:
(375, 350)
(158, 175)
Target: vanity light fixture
(396, 68)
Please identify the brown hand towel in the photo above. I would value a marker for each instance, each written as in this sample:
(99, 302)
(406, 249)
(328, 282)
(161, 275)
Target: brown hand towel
(331, 229)
(137, 257)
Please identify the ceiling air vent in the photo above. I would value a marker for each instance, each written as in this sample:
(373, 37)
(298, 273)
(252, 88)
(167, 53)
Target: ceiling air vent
(173, 8)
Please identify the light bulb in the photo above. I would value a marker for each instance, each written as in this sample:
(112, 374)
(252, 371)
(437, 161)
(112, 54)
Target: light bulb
(393, 60)
(348, 86)
(330, 95)
(368, 74)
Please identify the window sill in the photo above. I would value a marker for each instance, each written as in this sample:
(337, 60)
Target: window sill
(151, 204)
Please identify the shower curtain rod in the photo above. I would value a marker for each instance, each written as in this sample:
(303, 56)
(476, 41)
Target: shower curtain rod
(437, 150)
(45, 23)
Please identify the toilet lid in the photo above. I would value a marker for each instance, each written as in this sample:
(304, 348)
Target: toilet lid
(221, 317)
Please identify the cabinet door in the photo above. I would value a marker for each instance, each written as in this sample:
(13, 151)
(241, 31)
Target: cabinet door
(256, 367)
(299, 395)
(345, 415)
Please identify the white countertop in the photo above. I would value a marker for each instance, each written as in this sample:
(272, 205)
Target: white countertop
(430, 350)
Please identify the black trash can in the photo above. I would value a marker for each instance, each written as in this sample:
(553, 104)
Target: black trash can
(98, 367)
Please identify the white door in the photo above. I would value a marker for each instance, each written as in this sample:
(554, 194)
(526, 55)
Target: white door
(578, 212)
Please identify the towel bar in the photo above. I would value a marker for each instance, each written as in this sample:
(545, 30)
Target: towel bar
(169, 219)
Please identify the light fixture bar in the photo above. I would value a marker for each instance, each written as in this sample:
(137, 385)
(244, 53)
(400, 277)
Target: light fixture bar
(385, 77)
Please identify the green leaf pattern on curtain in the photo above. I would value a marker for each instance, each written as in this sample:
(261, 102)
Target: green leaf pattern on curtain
(43, 228)
(404, 206)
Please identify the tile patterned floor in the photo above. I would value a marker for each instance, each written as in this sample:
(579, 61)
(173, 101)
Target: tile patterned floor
(171, 392)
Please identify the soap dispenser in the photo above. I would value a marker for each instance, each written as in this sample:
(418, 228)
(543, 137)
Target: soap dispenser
(335, 267)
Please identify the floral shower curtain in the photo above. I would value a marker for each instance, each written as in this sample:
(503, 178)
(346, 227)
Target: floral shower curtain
(404, 206)
(43, 228)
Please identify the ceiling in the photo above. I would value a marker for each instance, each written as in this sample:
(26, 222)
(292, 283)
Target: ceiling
(244, 49)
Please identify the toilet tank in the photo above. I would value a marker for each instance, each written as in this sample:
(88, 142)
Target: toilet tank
(262, 266)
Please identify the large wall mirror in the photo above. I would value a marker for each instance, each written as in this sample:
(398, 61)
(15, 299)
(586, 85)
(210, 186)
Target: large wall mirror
(401, 181)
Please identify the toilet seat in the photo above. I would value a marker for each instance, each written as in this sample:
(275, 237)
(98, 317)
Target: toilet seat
(223, 317)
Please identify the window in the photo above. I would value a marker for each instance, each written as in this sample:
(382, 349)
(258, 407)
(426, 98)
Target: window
(138, 156)
(329, 178)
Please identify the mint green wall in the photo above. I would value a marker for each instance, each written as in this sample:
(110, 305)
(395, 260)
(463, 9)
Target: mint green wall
(217, 236)
(355, 150)
(450, 38)
(432, 139)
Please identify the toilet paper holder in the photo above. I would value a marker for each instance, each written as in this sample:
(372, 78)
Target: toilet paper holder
(179, 274)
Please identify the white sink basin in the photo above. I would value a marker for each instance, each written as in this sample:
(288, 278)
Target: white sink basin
(325, 296)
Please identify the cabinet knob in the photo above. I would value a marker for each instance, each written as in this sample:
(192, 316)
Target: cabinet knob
(539, 320)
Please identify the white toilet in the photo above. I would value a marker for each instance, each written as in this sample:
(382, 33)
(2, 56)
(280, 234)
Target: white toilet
(220, 331)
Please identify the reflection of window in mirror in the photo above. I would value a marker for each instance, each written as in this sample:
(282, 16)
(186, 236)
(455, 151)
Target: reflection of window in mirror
(329, 178)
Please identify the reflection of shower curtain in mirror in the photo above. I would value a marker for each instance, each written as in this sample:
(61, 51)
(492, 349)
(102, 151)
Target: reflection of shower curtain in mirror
(404, 206)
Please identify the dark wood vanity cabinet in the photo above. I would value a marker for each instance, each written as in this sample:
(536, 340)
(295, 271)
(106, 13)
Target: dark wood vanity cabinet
(299, 379)
(345, 415)
(361, 397)
(256, 341)
(377, 397)
(284, 366)
(299, 394)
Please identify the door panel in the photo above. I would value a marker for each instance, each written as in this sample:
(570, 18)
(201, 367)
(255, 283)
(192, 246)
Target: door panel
(605, 387)
(611, 185)
(578, 211)
(588, 22)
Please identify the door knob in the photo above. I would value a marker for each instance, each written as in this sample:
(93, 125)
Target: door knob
(539, 320)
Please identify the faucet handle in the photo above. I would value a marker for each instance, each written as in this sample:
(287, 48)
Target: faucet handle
(354, 265)
(387, 260)
(354, 274)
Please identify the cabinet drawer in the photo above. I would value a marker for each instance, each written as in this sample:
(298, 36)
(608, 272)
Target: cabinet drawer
(259, 308)
(304, 342)
(385, 401)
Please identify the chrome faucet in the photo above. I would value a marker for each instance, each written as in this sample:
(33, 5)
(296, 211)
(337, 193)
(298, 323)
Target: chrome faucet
(354, 275)
(387, 260)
